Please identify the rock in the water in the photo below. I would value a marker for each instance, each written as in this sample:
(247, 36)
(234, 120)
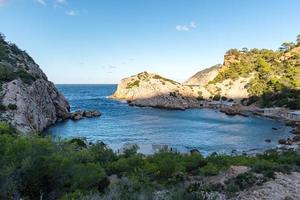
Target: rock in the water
(268, 140)
(93, 113)
(79, 114)
(32, 102)
(282, 141)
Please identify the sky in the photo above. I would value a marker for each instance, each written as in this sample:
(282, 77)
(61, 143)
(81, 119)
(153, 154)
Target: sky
(103, 41)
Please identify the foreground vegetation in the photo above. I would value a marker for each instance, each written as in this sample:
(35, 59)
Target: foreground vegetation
(275, 75)
(36, 167)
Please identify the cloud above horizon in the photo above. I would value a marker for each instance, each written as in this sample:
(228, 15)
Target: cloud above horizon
(72, 13)
(186, 27)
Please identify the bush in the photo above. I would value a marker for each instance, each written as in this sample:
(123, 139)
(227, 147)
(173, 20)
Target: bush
(242, 182)
(133, 84)
(6, 128)
(41, 166)
(217, 97)
(6, 74)
(2, 107)
(25, 76)
(12, 107)
(209, 170)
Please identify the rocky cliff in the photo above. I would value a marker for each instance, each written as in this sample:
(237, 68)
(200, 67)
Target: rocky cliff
(27, 99)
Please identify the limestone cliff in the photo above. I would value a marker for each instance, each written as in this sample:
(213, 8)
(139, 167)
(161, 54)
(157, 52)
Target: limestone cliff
(27, 99)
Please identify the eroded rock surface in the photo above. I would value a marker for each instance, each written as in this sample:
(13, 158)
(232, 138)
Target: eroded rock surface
(29, 101)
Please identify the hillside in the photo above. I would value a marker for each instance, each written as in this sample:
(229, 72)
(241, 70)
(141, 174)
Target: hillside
(28, 100)
(264, 77)
(203, 77)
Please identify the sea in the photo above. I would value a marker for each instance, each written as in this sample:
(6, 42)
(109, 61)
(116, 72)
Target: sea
(206, 130)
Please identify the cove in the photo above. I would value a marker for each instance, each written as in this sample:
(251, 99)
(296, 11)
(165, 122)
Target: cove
(207, 130)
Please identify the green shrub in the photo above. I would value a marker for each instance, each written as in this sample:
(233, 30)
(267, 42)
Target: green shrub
(25, 76)
(2, 107)
(217, 97)
(6, 128)
(133, 84)
(12, 107)
(6, 74)
(209, 170)
(242, 182)
(78, 142)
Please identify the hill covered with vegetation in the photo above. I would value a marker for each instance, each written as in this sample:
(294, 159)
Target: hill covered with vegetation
(274, 75)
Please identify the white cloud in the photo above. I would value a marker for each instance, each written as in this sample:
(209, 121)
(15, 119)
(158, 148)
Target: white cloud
(42, 2)
(193, 24)
(72, 13)
(2, 2)
(186, 27)
(182, 28)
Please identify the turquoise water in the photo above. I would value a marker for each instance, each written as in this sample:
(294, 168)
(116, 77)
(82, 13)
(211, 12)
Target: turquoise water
(204, 129)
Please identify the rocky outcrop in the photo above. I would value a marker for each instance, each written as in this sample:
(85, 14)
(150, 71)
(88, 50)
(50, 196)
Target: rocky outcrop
(28, 100)
(148, 89)
(284, 186)
(77, 115)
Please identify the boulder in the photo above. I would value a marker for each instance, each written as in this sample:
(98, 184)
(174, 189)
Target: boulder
(282, 141)
(93, 113)
(80, 114)
(77, 115)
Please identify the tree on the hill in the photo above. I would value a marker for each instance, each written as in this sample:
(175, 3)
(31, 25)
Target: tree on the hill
(298, 39)
(286, 46)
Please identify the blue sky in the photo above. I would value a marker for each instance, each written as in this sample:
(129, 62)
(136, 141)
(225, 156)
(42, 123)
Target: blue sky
(103, 41)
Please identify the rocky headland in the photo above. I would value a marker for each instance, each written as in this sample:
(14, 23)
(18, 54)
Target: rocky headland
(28, 100)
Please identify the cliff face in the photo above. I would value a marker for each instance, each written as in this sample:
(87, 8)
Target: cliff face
(27, 99)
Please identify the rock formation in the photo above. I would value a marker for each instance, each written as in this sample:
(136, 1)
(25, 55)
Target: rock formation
(27, 99)
(147, 89)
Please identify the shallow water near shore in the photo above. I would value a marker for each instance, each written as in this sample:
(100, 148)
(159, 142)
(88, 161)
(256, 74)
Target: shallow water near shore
(204, 129)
